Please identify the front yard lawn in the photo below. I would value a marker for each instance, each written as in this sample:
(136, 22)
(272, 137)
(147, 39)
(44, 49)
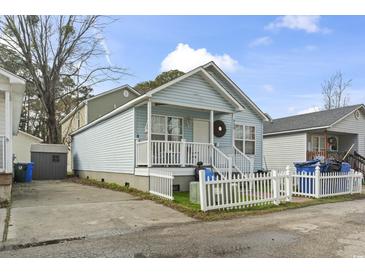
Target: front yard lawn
(182, 203)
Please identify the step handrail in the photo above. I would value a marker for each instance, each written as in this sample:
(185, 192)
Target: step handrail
(227, 169)
(245, 157)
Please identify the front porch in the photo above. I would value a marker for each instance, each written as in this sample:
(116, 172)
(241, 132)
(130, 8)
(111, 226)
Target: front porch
(330, 144)
(174, 136)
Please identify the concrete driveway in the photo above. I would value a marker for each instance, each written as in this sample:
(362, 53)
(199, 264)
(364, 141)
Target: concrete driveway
(53, 210)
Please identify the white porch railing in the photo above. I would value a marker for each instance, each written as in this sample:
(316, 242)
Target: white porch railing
(166, 153)
(2, 153)
(198, 152)
(161, 184)
(182, 153)
(241, 161)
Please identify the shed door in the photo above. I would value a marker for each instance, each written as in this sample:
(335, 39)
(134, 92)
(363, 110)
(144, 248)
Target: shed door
(200, 131)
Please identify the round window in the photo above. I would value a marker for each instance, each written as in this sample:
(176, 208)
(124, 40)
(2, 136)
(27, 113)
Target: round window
(126, 93)
(357, 114)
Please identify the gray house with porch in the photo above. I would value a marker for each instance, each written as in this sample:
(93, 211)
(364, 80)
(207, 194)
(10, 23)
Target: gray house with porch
(200, 116)
(328, 133)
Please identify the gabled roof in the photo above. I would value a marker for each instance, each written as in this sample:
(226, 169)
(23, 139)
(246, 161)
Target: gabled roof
(201, 69)
(310, 121)
(208, 77)
(98, 96)
(232, 87)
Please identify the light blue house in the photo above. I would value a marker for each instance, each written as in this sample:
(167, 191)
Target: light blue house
(200, 116)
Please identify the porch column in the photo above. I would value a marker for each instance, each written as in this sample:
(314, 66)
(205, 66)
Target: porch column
(149, 122)
(8, 134)
(212, 127)
(325, 145)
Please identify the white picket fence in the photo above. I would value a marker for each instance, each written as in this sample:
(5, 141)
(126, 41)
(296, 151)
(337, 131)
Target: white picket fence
(161, 184)
(320, 185)
(253, 189)
(243, 191)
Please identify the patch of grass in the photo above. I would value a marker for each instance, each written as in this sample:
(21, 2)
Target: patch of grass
(4, 203)
(182, 203)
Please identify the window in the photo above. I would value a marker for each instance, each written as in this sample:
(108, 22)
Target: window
(245, 139)
(318, 143)
(55, 158)
(166, 128)
(250, 140)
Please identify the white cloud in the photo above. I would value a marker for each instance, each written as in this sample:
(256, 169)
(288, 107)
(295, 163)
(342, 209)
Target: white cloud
(308, 23)
(185, 58)
(309, 110)
(311, 47)
(268, 88)
(260, 41)
(105, 47)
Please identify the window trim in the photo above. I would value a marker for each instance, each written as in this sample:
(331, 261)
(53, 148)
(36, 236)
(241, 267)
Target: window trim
(319, 136)
(244, 137)
(166, 135)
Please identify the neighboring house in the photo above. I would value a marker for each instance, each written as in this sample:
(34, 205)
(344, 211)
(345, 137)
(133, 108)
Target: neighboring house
(200, 116)
(324, 133)
(94, 108)
(21, 146)
(11, 98)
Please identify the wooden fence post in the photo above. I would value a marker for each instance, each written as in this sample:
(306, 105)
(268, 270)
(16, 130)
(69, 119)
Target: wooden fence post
(317, 178)
(288, 184)
(276, 187)
(202, 190)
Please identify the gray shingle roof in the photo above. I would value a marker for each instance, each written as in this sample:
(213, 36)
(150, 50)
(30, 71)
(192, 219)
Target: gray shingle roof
(317, 119)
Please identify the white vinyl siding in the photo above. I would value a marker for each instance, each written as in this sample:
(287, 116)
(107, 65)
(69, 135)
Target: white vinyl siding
(196, 92)
(2, 113)
(285, 149)
(352, 125)
(107, 146)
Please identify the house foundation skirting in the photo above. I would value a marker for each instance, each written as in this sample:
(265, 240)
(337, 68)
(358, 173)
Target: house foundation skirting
(6, 180)
(135, 181)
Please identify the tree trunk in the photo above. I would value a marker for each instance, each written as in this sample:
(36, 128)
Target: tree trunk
(53, 136)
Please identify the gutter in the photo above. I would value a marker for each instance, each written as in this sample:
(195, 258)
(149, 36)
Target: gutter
(293, 131)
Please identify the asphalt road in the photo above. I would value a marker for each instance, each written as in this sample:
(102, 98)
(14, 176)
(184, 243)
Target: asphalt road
(330, 230)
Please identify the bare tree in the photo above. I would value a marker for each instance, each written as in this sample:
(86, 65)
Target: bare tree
(333, 91)
(56, 49)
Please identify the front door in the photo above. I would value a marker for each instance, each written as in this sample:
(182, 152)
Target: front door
(200, 131)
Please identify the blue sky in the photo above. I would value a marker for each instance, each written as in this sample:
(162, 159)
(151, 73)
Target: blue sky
(279, 61)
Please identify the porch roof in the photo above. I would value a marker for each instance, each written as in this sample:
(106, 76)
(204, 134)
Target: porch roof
(315, 120)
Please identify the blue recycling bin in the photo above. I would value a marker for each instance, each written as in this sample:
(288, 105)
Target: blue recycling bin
(23, 172)
(345, 167)
(306, 185)
(209, 174)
